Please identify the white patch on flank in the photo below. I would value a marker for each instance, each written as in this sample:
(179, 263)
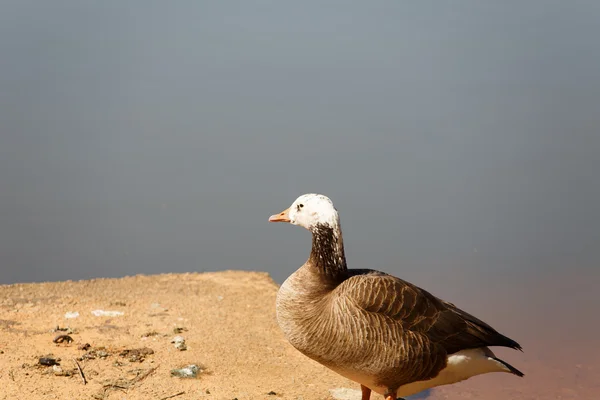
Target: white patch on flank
(460, 366)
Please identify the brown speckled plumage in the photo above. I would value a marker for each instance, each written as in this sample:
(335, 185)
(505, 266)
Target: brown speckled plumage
(370, 324)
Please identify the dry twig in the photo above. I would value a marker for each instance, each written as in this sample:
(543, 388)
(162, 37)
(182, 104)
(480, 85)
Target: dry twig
(80, 372)
(143, 376)
(173, 395)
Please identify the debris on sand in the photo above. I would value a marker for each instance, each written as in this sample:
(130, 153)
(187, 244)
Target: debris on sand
(179, 342)
(102, 353)
(84, 347)
(48, 361)
(136, 355)
(80, 370)
(102, 313)
(67, 330)
(173, 395)
(123, 383)
(179, 329)
(57, 370)
(71, 314)
(95, 353)
(62, 338)
(189, 371)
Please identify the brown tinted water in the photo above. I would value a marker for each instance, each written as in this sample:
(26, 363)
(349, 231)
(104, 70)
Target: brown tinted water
(553, 315)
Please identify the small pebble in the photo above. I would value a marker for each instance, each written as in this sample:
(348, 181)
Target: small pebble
(179, 342)
(103, 313)
(48, 361)
(189, 371)
(62, 338)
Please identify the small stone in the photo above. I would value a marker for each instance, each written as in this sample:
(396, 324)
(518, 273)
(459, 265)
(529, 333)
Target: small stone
(271, 393)
(62, 339)
(189, 371)
(48, 361)
(179, 342)
(104, 313)
(57, 370)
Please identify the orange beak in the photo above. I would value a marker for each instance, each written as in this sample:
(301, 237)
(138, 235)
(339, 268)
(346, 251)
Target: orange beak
(283, 216)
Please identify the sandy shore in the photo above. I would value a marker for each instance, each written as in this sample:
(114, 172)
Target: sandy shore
(228, 322)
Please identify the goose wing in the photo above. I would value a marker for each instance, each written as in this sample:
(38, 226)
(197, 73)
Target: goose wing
(413, 330)
(409, 309)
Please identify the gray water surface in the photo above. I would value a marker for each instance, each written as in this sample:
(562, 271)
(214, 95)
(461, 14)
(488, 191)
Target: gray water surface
(151, 137)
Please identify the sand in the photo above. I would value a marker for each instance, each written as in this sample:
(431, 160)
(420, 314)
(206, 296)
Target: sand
(228, 322)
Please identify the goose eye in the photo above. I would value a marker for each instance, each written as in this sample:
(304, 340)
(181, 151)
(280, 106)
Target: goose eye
(300, 206)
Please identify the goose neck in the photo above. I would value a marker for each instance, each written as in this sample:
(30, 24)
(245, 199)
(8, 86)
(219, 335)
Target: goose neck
(327, 254)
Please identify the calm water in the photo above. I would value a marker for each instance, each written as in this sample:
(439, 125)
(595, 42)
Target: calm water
(148, 138)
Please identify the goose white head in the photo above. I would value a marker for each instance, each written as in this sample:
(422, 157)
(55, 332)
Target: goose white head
(308, 211)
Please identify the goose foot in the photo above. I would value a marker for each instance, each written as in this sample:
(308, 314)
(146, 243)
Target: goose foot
(366, 392)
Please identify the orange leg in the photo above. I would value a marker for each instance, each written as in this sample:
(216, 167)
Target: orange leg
(391, 396)
(366, 392)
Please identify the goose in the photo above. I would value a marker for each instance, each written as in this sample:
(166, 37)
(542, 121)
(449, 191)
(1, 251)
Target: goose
(388, 335)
